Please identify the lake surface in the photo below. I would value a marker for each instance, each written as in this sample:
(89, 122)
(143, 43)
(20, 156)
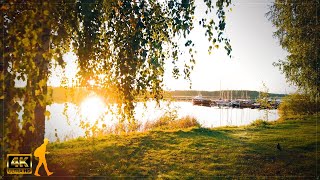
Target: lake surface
(73, 121)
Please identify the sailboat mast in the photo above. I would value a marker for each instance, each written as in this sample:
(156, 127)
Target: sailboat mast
(220, 90)
(246, 94)
(231, 94)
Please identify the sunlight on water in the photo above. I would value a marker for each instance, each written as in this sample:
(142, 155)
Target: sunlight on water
(92, 108)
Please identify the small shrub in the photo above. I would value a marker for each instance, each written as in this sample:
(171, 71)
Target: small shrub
(260, 123)
(167, 122)
(185, 122)
(162, 122)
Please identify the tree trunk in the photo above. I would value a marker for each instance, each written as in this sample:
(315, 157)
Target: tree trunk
(32, 140)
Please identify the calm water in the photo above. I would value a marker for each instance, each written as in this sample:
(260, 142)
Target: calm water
(66, 123)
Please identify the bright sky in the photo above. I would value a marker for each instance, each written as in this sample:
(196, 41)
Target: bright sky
(254, 51)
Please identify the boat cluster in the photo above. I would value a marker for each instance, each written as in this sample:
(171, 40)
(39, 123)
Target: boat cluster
(238, 103)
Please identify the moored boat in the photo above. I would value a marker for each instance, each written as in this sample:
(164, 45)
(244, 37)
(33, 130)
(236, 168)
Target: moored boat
(200, 101)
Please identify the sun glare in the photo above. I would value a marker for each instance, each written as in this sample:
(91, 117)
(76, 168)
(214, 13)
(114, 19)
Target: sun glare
(92, 82)
(92, 108)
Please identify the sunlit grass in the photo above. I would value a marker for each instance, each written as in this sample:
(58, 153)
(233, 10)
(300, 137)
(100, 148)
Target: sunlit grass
(247, 151)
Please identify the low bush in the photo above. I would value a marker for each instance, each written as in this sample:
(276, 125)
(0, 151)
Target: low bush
(260, 123)
(167, 122)
(185, 122)
(297, 105)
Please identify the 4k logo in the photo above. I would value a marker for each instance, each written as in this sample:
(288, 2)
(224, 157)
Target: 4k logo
(19, 164)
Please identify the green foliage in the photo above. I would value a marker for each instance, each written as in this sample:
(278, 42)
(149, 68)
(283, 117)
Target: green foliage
(298, 31)
(298, 104)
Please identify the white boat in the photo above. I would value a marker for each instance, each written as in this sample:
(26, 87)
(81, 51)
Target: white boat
(199, 100)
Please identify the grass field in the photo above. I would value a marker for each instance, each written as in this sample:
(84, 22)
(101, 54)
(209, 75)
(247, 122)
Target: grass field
(245, 152)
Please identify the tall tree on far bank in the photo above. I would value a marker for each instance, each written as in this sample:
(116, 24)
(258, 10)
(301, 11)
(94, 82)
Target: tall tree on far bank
(264, 100)
(297, 23)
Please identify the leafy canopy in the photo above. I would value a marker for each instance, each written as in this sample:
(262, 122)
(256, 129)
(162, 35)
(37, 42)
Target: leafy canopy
(128, 42)
(298, 31)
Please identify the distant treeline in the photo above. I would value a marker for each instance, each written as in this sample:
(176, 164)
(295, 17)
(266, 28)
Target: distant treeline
(225, 94)
(76, 95)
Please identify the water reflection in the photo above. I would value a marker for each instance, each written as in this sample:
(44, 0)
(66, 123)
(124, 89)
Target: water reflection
(93, 110)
